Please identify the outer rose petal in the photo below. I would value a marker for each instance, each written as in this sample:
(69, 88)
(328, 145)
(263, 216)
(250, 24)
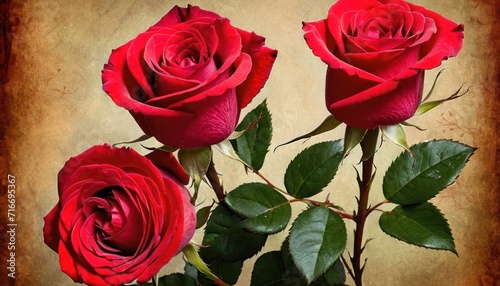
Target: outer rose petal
(447, 42)
(189, 220)
(166, 161)
(50, 233)
(387, 103)
(216, 119)
(262, 62)
(213, 113)
(322, 44)
(178, 15)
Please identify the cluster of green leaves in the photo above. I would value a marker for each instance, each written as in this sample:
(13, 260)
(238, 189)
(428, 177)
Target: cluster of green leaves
(238, 228)
(411, 183)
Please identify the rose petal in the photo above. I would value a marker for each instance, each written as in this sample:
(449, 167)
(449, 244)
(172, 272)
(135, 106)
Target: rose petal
(51, 235)
(213, 113)
(178, 14)
(68, 266)
(262, 62)
(387, 103)
(167, 162)
(447, 41)
(387, 64)
(319, 40)
(333, 20)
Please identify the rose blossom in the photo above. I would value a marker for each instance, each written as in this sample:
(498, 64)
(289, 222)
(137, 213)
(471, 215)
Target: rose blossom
(119, 218)
(377, 52)
(186, 78)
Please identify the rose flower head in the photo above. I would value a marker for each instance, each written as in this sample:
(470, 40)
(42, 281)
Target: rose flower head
(186, 79)
(119, 218)
(377, 53)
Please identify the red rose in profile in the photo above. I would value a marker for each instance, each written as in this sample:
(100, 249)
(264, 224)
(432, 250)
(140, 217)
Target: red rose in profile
(119, 218)
(377, 52)
(186, 78)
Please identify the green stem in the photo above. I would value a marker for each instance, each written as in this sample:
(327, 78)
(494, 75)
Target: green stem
(363, 211)
(325, 204)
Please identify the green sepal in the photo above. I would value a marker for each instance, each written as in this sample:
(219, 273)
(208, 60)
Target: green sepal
(369, 144)
(141, 138)
(433, 85)
(397, 135)
(195, 162)
(421, 225)
(328, 124)
(227, 149)
(163, 148)
(426, 106)
(352, 138)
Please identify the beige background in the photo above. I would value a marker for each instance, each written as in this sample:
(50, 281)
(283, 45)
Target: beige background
(56, 109)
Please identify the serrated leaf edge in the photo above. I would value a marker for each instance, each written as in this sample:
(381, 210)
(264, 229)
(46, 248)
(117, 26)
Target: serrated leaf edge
(423, 246)
(426, 142)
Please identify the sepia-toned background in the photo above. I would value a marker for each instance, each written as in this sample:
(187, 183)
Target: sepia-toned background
(53, 108)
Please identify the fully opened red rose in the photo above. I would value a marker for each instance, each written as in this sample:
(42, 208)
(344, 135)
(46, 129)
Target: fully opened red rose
(119, 218)
(186, 78)
(377, 52)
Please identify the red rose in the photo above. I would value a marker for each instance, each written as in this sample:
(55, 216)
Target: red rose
(186, 78)
(376, 53)
(119, 218)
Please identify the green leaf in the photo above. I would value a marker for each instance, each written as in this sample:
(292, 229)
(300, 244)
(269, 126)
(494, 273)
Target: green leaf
(202, 216)
(253, 144)
(334, 276)
(422, 225)
(328, 124)
(317, 238)
(267, 210)
(269, 270)
(438, 164)
(293, 275)
(196, 162)
(229, 272)
(227, 239)
(352, 138)
(175, 279)
(313, 169)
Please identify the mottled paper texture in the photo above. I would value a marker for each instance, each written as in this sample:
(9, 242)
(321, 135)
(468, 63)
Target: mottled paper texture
(53, 108)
